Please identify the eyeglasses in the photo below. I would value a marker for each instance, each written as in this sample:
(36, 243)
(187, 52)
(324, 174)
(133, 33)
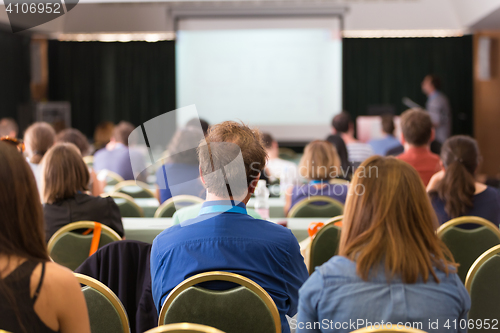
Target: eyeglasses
(13, 141)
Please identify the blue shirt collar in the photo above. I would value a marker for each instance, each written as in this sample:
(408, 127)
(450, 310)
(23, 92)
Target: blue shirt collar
(223, 206)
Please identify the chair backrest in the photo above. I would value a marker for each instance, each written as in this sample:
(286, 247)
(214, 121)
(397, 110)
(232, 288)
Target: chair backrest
(388, 330)
(70, 249)
(244, 308)
(483, 287)
(89, 160)
(467, 245)
(168, 208)
(309, 207)
(287, 154)
(134, 188)
(325, 244)
(184, 328)
(109, 177)
(106, 312)
(338, 181)
(128, 207)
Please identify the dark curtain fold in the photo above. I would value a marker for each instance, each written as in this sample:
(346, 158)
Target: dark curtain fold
(381, 71)
(14, 72)
(132, 81)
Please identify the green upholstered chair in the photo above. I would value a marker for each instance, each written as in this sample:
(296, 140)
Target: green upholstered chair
(483, 287)
(325, 244)
(168, 208)
(467, 245)
(106, 311)
(69, 248)
(309, 208)
(387, 330)
(184, 328)
(109, 177)
(246, 308)
(133, 188)
(128, 207)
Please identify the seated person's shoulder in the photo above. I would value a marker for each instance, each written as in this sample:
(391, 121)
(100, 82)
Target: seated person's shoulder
(58, 279)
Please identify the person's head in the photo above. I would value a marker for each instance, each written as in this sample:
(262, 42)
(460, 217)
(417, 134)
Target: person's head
(38, 138)
(8, 127)
(182, 148)
(75, 137)
(388, 124)
(22, 229)
(122, 131)
(223, 172)
(63, 173)
(342, 123)
(389, 220)
(460, 158)
(271, 145)
(416, 126)
(103, 133)
(320, 161)
(430, 84)
(195, 122)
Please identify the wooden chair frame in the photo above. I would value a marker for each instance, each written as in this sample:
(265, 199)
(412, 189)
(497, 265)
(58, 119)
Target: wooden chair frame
(180, 327)
(317, 198)
(122, 184)
(332, 221)
(477, 265)
(110, 174)
(182, 198)
(127, 197)
(388, 330)
(222, 276)
(467, 219)
(80, 225)
(109, 294)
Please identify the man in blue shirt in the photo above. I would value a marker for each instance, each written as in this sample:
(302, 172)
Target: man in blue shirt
(382, 146)
(223, 237)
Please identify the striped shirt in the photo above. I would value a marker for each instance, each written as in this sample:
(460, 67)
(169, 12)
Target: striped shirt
(358, 152)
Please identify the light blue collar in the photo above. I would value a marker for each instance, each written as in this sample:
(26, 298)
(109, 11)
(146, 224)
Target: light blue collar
(222, 207)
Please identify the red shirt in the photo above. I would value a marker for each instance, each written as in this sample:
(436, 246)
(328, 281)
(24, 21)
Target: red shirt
(425, 162)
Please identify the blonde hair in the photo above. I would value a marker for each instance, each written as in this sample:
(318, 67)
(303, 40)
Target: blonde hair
(63, 173)
(38, 138)
(320, 161)
(389, 219)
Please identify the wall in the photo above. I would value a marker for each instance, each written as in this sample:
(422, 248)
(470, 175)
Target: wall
(487, 108)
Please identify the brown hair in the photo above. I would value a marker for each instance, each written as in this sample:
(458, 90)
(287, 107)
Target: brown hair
(22, 228)
(389, 219)
(180, 149)
(63, 173)
(103, 133)
(319, 158)
(38, 138)
(222, 146)
(460, 156)
(122, 131)
(7, 126)
(435, 81)
(341, 122)
(416, 126)
(75, 137)
(267, 140)
(388, 124)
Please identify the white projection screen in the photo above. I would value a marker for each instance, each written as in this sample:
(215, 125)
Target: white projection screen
(282, 75)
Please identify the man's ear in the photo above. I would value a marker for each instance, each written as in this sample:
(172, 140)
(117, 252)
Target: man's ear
(433, 135)
(201, 176)
(253, 184)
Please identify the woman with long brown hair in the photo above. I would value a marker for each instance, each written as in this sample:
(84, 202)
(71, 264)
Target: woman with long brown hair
(36, 295)
(391, 268)
(454, 191)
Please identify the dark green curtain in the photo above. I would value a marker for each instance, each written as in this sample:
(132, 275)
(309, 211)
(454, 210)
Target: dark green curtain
(132, 81)
(14, 72)
(381, 71)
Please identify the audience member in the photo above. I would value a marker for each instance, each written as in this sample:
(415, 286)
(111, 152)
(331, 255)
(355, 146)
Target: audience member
(224, 237)
(8, 127)
(102, 134)
(438, 107)
(117, 156)
(391, 265)
(180, 174)
(276, 167)
(77, 138)
(36, 295)
(38, 138)
(417, 135)
(357, 151)
(454, 191)
(195, 122)
(388, 142)
(65, 178)
(319, 164)
(340, 146)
